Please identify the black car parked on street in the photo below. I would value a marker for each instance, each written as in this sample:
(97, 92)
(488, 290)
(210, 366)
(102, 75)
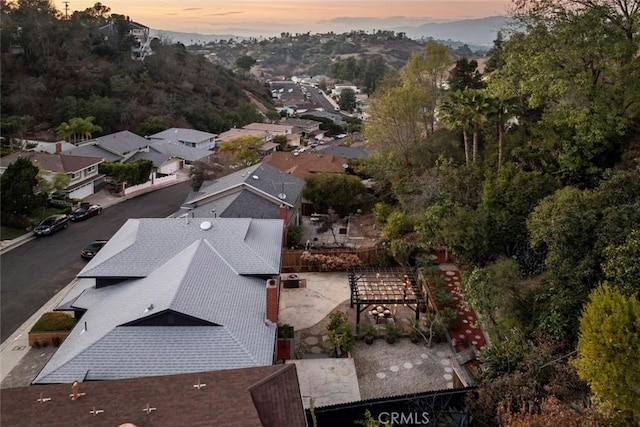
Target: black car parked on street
(51, 225)
(86, 210)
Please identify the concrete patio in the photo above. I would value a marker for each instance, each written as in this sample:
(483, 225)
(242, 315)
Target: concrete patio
(377, 370)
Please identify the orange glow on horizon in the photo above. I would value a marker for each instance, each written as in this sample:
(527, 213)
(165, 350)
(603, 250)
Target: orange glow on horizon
(291, 15)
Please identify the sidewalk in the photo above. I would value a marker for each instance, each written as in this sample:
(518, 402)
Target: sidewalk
(16, 347)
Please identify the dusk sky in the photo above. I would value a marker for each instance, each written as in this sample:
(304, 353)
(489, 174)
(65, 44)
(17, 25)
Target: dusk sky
(268, 18)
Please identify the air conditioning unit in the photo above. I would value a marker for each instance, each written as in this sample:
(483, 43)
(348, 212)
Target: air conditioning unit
(291, 281)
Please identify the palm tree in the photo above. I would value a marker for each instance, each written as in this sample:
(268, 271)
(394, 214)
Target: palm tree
(456, 114)
(78, 129)
(480, 107)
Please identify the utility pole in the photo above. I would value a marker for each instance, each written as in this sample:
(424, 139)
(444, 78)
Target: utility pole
(66, 9)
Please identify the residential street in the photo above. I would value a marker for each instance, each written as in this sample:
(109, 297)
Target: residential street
(34, 272)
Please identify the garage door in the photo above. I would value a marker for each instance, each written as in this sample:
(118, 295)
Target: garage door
(82, 192)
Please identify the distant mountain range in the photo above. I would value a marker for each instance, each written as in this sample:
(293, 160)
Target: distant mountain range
(476, 32)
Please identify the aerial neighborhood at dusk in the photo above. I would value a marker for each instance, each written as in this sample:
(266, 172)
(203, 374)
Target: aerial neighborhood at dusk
(311, 214)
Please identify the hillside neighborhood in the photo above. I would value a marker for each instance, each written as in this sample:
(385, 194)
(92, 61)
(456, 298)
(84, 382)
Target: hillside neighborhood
(320, 229)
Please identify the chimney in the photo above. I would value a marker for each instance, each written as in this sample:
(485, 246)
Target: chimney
(272, 300)
(58, 147)
(283, 216)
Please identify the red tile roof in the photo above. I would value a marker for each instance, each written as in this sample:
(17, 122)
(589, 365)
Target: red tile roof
(307, 163)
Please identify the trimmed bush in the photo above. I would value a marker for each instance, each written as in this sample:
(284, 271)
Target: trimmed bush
(54, 321)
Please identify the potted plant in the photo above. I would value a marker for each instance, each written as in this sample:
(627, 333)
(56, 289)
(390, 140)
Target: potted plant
(340, 333)
(392, 334)
(368, 332)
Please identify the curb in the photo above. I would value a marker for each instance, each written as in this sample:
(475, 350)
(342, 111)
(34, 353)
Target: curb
(7, 245)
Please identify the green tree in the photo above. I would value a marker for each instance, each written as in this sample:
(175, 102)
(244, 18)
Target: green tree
(347, 100)
(465, 75)
(574, 77)
(153, 124)
(131, 173)
(609, 340)
(49, 184)
(243, 149)
(565, 222)
(245, 62)
(340, 192)
(396, 120)
(622, 266)
(17, 193)
(457, 114)
(77, 129)
(428, 71)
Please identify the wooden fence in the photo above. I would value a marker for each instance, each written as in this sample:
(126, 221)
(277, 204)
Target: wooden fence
(292, 262)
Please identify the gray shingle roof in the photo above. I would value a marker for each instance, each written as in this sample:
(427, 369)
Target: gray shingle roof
(121, 142)
(90, 150)
(264, 178)
(184, 270)
(183, 135)
(249, 246)
(157, 158)
(177, 149)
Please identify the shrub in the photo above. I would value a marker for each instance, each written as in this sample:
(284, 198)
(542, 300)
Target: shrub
(54, 321)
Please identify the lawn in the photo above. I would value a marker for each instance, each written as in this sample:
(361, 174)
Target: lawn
(8, 233)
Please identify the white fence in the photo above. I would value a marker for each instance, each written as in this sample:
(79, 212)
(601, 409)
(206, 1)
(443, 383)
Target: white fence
(156, 182)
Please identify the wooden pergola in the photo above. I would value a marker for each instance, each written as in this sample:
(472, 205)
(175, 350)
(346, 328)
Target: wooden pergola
(379, 286)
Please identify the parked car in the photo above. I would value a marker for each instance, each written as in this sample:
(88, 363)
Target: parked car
(85, 211)
(51, 225)
(92, 249)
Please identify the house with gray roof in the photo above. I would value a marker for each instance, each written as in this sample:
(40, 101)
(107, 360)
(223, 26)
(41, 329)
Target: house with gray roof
(258, 191)
(173, 295)
(176, 150)
(189, 137)
(126, 147)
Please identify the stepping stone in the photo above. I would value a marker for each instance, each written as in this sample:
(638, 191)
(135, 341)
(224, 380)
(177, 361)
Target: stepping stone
(448, 279)
(426, 356)
(394, 368)
(474, 342)
(448, 377)
(470, 317)
(450, 273)
(311, 340)
(315, 349)
(461, 313)
(441, 354)
(445, 362)
(407, 365)
(468, 331)
(417, 362)
(448, 369)
(461, 336)
(477, 337)
(449, 385)
(381, 375)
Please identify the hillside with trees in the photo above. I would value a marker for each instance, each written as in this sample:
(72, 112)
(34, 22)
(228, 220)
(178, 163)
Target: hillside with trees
(528, 174)
(57, 69)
